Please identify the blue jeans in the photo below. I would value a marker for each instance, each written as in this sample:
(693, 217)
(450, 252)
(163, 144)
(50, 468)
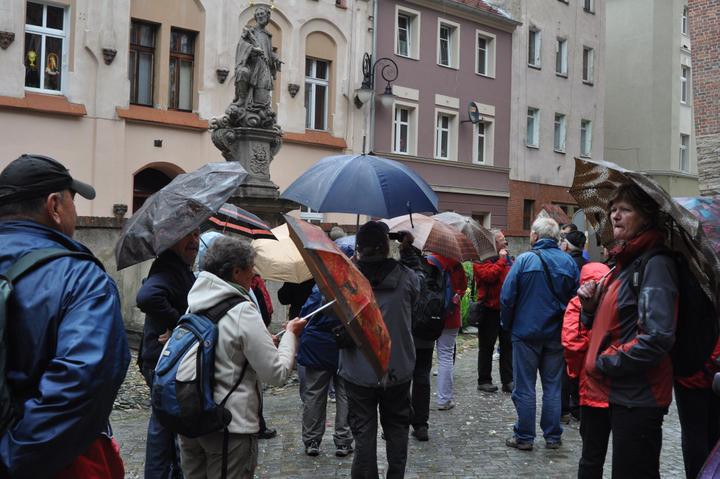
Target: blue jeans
(162, 456)
(529, 357)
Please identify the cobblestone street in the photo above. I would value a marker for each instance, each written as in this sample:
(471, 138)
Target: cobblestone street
(466, 442)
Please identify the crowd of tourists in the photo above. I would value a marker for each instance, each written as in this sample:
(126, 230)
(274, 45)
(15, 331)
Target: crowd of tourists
(598, 334)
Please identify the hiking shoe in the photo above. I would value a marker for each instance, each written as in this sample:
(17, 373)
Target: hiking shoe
(267, 433)
(312, 448)
(342, 451)
(446, 407)
(420, 433)
(553, 444)
(508, 388)
(522, 446)
(487, 387)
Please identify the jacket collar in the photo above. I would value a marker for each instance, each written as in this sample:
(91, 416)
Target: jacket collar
(32, 228)
(545, 243)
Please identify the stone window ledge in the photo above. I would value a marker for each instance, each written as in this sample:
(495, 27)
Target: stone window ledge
(38, 102)
(171, 118)
(315, 138)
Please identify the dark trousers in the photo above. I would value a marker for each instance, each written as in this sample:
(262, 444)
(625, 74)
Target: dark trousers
(595, 433)
(421, 387)
(488, 331)
(162, 456)
(394, 403)
(699, 412)
(570, 399)
(637, 440)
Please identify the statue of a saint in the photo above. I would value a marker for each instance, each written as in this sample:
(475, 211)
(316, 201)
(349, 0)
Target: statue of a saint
(255, 65)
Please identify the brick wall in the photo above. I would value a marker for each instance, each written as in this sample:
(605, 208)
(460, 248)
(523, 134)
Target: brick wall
(520, 191)
(704, 26)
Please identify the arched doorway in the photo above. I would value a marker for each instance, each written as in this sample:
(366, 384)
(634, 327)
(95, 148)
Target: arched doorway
(149, 180)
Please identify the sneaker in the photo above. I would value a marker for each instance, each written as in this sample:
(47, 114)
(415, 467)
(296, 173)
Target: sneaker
(553, 444)
(487, 387)
(508, 388)
(332, 398)
(446, 407)
(342, 451)
(470, 330)
(267, 433)
(312, 448)
(522, 446)
(421, 433)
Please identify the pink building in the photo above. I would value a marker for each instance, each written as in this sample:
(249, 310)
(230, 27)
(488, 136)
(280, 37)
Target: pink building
(453, 57)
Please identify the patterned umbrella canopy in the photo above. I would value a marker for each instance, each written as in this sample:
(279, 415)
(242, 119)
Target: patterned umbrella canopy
(237, 220)
(707, 210)
(593, 186)
(482, 238)
(433, 235)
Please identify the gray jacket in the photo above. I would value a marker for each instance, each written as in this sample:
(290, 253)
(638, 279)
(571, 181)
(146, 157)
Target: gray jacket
(396, 292)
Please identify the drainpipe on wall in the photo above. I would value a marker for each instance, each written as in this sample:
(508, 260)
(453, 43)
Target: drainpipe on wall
(371, 129)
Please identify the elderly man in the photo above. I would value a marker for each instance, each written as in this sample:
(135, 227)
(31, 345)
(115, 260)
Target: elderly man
(533, 298)
(66, 348)
(489, 278)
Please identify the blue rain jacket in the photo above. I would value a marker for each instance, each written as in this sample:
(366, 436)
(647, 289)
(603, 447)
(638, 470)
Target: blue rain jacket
(318, 349)
(67, 353)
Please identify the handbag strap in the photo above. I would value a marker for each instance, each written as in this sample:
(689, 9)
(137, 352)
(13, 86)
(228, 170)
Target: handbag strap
(548, 278)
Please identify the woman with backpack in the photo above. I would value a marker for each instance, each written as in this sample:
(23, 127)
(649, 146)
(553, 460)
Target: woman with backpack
(628, 363)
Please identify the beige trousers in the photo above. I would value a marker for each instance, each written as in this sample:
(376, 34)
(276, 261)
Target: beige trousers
(202, 456)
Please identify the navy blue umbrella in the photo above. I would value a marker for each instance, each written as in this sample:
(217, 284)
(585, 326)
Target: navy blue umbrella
(362, 184)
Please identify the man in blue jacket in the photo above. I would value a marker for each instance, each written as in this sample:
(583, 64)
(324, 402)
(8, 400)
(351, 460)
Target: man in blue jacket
(67, 352)
(533, 300)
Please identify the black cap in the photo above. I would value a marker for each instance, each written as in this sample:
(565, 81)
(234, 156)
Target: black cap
(576, 238)
(372, 234)
(32, 176)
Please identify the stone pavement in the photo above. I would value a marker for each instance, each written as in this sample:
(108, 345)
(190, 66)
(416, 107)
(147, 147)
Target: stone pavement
(465, 442)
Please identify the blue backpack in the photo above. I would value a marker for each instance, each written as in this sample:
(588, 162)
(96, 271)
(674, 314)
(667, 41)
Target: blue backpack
(182, 392)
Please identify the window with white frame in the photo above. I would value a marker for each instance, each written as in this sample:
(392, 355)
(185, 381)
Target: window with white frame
(534, 45)
(559, 133)
(407, 32)
(533, 127)
(308, 214)
(561, 57)
(684, 21)
(485, 54)
(684, 152)
(483, 147)
(444, 135)
(448, 44)
(585, 138)
(589, 5)
(317, 76)
(46, 31)
(403, 129)
(684, 84)
(588, 65)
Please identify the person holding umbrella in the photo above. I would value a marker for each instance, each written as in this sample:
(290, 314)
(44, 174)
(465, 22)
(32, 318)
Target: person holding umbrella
(628, 363)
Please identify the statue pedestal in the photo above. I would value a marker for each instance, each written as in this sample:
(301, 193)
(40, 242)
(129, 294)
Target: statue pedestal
(270, 210)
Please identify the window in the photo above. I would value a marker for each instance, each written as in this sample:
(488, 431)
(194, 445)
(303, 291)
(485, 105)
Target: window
(182, 60)
(528, 213)
(317, 74)
(142, 61)
(684, 84)
(407, 32)
(447, 45)
(443, 130)
(585, 138)
(45, 34)
(401, 128)
(533, 127)
(308, 214)
(485, 54)
(561, 57)
(684, 21)
(534, 48)
(684, 152)
(481, 143)
(588, 57)
(559, 137)
(589, 6)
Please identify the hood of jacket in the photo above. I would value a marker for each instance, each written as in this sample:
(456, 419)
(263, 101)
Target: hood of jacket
(593, 271)
(209, 290)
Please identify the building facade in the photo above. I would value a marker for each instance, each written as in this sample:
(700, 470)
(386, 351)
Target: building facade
(121, 91)
(558, 82)
(649, 95)
(704, 26)
(452, 57)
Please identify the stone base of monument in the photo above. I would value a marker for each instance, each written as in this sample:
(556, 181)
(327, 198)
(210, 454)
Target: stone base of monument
(270, 210)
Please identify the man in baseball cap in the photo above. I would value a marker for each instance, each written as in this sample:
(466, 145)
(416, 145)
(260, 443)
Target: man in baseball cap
(32, 176)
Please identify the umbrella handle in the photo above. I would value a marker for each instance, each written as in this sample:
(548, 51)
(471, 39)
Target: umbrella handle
(313, 313)
(408, 205)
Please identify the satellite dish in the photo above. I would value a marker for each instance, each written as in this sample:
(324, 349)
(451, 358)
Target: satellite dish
(473, 113)
(578, 219)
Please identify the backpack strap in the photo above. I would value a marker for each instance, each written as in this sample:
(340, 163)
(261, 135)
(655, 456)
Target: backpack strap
(639, 264)
(216, 313)
(39, 257)
(548, 278)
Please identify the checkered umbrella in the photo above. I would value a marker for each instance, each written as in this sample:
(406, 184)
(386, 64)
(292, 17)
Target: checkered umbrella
(435, 236)
(482, 238)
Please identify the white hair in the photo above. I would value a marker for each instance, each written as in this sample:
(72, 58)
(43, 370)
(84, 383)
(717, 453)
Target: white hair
(571, 247)
(546, 228)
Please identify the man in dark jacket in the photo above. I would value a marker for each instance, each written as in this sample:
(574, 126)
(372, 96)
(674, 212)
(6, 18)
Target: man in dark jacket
(574, 244)
(163, 299)
(67, 352)
(533, 298)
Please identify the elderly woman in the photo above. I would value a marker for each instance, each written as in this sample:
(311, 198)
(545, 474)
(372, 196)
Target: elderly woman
(628, 362)
(243, 343)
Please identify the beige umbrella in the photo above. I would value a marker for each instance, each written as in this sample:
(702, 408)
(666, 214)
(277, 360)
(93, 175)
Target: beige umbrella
(433, 235)
(280, 260)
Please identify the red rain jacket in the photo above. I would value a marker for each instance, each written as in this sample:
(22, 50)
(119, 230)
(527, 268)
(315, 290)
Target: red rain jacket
(489, 278)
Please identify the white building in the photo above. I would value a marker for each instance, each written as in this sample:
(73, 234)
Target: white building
(648, 107)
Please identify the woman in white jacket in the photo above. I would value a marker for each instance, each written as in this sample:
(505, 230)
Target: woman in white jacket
(242, 337)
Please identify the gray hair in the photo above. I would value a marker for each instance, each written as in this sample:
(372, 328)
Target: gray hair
(571, 247)
(546, 228)
(226, 254)
(495, 231)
